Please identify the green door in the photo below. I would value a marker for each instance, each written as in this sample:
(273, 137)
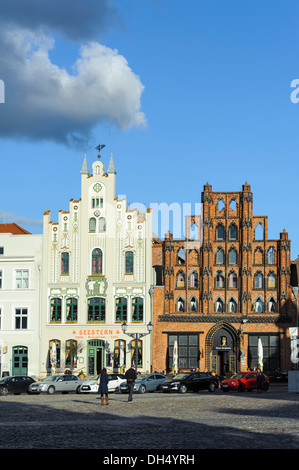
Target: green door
(20, 360)
(96, 349)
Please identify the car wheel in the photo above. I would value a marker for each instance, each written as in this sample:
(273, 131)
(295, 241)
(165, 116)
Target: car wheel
(78, 389)
(3, 391)
(142, 389)
(241, 387)
(51, 390)
(212, 387)
(183, 389)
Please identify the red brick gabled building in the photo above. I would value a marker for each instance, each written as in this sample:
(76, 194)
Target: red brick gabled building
(219, 293)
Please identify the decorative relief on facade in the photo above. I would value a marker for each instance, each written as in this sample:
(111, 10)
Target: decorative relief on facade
(97, 187)
(96, 285)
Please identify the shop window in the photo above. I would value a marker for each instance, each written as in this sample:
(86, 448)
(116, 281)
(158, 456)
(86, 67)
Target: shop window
(71, 353)
(119, 353)
(136, 353)
(58, 350)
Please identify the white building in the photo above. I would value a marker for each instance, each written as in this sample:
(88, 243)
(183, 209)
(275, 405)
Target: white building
(20, 278)
(97, 274)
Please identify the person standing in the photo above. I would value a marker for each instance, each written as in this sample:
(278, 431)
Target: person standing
(103, 386)
(131, 375)
(259, 379)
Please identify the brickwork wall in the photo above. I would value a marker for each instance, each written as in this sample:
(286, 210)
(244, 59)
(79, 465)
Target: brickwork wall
(188, 303)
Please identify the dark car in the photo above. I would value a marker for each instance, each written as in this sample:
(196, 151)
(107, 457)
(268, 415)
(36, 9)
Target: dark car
(244, 381)
(15, 384)
(278, 376)
(193, 382)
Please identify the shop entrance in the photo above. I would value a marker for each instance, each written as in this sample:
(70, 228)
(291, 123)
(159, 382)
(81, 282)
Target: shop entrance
(223, 353)
(96, 355)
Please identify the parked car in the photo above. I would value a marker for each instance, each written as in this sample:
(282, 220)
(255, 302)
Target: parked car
(279, 376)
(243, 381)
(15, 384)
(144, 383)
(57, 383)
(91, 386)
(192, 382)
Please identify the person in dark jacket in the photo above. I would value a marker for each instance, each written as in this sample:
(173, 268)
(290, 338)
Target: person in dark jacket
(259, 379)
(103, 386)
(131, 375)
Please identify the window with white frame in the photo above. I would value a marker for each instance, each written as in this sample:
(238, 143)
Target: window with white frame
(22, 279)
(21, 318)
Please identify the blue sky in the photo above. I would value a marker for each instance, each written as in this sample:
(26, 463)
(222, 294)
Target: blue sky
(180, 92)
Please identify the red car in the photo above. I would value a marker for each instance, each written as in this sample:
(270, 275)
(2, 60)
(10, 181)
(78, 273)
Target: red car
(243, 381)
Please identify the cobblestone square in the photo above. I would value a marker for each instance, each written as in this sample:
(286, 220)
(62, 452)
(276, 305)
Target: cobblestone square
(154, 421)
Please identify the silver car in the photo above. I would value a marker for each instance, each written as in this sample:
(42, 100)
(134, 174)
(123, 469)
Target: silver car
(57, 383)
(144, 383)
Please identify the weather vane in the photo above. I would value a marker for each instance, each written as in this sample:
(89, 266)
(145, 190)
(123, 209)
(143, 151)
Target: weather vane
(99, 148)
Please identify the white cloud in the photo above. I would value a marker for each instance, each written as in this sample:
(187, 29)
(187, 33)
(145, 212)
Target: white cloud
(44, 101)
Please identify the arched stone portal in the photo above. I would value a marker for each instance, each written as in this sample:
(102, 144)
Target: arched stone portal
(222, 349)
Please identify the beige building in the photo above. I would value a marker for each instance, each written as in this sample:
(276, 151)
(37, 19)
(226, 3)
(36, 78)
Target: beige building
(96, 276)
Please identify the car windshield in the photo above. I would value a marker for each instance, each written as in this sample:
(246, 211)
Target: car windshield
(3, 381)
(51, 378)
(142, 376)
(180, 376)
(238, 376)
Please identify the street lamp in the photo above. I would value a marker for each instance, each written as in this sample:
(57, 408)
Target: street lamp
(136, 337)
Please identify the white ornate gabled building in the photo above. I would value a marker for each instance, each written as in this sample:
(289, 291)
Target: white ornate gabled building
(97, 274)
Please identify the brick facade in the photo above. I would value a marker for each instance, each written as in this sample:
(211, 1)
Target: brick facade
(222, 291)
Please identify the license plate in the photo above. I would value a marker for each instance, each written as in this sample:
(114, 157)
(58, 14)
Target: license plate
(85, 387)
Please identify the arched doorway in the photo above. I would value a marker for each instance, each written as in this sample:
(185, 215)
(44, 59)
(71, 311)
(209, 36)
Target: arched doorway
(222, 349)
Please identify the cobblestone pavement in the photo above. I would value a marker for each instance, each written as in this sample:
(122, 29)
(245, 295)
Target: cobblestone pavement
(152, 421)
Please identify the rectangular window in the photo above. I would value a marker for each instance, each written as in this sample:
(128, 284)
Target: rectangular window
(1, 250)
(271, 351)
(0, 279)
(188, 353)
(22, 279)
(129, 262)
(21, 318)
